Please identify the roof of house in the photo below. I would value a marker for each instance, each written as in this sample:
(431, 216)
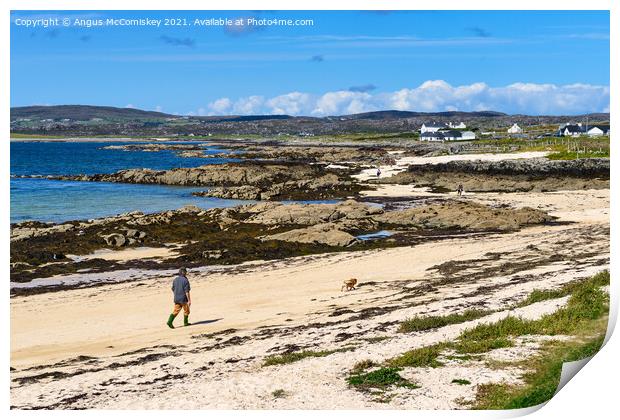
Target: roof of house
(428, 134)
(601, 127)
(574, 129)
(452, 133)
(433, 124)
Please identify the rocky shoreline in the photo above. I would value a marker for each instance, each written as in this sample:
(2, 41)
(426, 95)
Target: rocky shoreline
(368, 155)
(275, 152)
(243, 180)
(272, 230)
(508, 175)
(265, 230)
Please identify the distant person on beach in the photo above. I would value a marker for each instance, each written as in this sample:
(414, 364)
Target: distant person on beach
(460, 189)
(378, 172)
(182, 298)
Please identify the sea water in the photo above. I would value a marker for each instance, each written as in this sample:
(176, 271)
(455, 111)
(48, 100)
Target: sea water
(57, 201)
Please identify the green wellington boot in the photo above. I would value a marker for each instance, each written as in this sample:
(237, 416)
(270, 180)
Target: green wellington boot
(186, 320)
(170, 319)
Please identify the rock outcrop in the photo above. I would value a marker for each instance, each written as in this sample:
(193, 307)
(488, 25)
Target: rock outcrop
(581, 168)
(509, 175)
(464, 215)
(315, 154)
(156, 147)
(278, 214)
(324, 186)
(266, 230)
(243, 181)
(324, 233)
(232, 174)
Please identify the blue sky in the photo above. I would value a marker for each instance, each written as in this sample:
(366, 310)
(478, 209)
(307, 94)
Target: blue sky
(512, 61)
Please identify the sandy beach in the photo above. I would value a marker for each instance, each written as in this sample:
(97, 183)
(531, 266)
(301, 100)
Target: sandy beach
(403, 162)
(108, 347)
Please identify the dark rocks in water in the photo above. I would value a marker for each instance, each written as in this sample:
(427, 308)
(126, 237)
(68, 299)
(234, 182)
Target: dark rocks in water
(247, 180)
(322, 187)
(232, 174)
(246, 192)
(156, 147)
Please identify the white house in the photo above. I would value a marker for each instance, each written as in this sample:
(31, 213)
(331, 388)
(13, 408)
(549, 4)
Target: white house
(448, 135)
(572, 130)
(431, 127)
(598, 130)
(515, 129)
(432, 136)
(460, 125)
(468, 135)
(575, 130)
(451, 135)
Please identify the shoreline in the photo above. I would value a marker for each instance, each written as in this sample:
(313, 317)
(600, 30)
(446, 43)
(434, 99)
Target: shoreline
(101, 140)
(250, 313)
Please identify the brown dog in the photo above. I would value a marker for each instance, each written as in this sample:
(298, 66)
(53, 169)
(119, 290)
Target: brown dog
(348, 285)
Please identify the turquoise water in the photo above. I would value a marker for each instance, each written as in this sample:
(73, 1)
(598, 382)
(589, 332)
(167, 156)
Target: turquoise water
(57, 201)
(73, 158)
(376, 235)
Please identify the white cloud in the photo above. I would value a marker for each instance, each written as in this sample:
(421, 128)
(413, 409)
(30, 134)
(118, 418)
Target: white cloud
(220, 106)
(294, 103)
(430, 96)
(249, 106)
(342, 102)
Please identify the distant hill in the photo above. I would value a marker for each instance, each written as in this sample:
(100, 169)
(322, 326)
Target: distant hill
(87, 112)
(77, 121)
(392, 114)
(83, 112)
(241, 118)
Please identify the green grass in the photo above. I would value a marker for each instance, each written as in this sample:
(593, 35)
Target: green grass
(584, 317)
(560, 148)
(286, 358)
(461, 381)
(477, 346)
(566, 155)
(381, 378)
(541, 381)
(421, 357)
(33, 136)
(586, 304)
(430, 322)
(537, 295)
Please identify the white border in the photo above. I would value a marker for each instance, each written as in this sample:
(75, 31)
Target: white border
(592, 394)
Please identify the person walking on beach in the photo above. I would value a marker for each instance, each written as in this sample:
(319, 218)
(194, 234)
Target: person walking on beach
(460, 189)
(378, 172)
(182, 298)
